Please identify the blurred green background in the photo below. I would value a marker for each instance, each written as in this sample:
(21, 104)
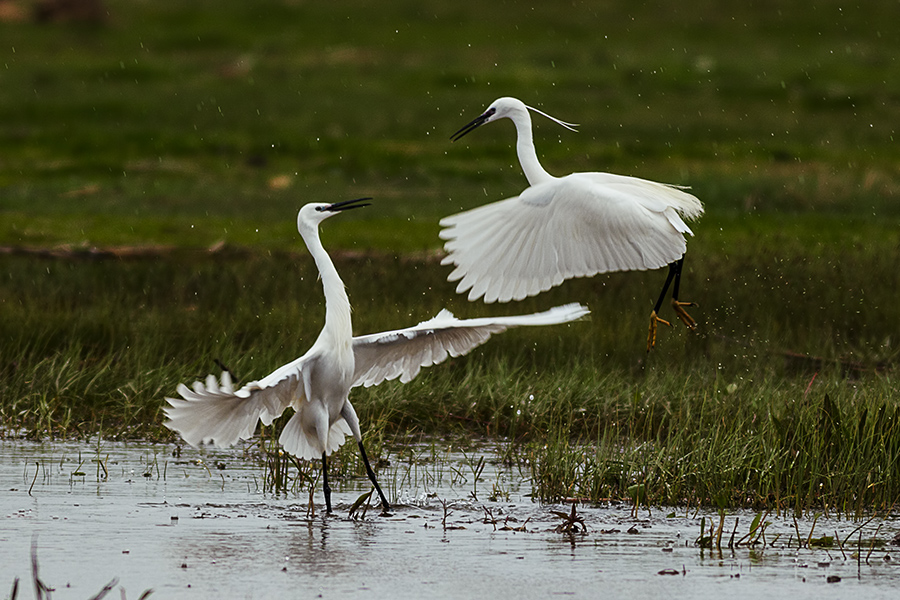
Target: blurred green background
(189, 123)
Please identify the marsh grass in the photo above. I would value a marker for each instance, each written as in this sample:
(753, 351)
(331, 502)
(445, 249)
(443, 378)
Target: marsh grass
(774, 445)
(718, 537)
(200, 125)
(282, 473)
(785, 398)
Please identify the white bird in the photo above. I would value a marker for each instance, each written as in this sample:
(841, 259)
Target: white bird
(317, 385)
(578, 225)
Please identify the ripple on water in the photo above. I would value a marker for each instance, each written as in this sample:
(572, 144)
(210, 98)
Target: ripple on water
(189, 531)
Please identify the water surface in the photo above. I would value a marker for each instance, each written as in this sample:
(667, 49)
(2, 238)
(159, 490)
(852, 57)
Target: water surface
(199, 526)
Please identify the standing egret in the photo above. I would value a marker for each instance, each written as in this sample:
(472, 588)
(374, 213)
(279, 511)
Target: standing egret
(317, 385)
(562, 227)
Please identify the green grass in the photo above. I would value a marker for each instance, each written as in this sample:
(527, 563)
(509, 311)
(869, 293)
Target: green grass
(735, 414)
(173, 123)
(186, 126)
(804, 443)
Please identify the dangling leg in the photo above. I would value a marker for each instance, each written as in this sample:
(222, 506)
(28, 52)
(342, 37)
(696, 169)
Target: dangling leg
(654, 316)
(677, 304)
(325, 487)
(349, 415)
(385, 505)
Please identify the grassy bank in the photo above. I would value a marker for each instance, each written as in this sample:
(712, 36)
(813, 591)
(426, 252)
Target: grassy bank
(786, 395)
(814, 443)
(90, 334)
(170, 128)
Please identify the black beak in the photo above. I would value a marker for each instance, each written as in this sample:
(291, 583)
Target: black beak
(475, 124)
(346, 205)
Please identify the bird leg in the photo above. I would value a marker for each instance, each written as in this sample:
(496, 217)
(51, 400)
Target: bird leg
(654, 315)
(674, 275)
(687, 319)
(325, 487)
(677, 304)
(651, 335)
(385, 505)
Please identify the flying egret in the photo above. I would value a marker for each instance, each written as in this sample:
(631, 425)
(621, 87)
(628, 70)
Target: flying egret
(562, 227)
(317, 385)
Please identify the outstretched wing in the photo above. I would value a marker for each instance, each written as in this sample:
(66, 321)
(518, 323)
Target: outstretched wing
(574, 226)
(215, 412)
(402, 353)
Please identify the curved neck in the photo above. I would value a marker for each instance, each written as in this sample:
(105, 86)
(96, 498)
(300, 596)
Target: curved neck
(337, 304)
(531, 166)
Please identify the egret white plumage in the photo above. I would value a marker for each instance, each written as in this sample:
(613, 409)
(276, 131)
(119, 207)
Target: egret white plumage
(578, 225)
(317, 385)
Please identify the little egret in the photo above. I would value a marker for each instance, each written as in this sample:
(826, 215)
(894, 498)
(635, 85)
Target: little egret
(563, 227)
(317, 385)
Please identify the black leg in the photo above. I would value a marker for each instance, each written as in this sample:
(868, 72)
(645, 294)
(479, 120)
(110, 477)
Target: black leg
(325, 486)
(674, 273)
(677, 266)
(673, 276)
(677, 304)
(385, 505)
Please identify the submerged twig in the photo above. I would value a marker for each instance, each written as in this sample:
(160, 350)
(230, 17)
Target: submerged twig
(445, 505)
(489, 517)
(757, 526)
(733, 533)
(872, 545)
(361, 502)
(702, 540)
(37, 470)
(40, 588)
(811, 529)
(799, 539)
(869, 520)
(108, 588)
(721, 528)
(570, 523)
(840, 545)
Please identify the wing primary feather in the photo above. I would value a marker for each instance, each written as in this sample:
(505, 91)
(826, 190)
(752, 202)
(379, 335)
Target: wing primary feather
(402, 353)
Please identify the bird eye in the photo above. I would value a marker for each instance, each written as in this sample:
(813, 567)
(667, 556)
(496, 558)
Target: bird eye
(320, 208)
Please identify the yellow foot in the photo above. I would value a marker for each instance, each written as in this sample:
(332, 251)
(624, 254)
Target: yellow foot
(682, 314)
(651, 336)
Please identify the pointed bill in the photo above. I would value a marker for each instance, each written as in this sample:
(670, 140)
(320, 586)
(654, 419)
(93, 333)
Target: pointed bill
(347, 205)
(473, 125)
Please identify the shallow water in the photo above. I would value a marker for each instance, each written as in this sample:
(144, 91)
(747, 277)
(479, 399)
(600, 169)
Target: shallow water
(188, 529)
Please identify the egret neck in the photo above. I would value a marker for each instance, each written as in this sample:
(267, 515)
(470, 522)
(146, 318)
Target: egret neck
(338, 329)
(531, 166)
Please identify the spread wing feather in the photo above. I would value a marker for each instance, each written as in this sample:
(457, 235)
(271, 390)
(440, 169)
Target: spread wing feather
(574, 226)
(213, 411)
(403, 353)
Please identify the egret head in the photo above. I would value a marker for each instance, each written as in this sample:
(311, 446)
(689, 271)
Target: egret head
(509, 108)
(315, 212)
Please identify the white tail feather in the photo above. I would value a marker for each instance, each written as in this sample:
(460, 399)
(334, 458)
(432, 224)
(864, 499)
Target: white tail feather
(297, 442)
(215, 413)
